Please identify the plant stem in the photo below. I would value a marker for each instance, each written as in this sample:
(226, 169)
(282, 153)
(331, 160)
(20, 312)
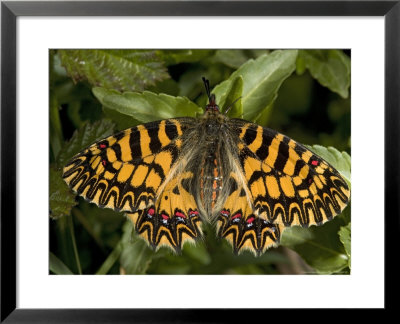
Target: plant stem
(111, 259)
(71, 227)
(81, 218)
(56, 134)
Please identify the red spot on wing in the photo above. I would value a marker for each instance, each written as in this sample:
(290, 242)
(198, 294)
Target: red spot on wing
(164, 216)
(250, 220)
(236, 216)
(102, 146)
(225, 212)
(151, 211)
(315, 162)
(178, 214)
(104, 162)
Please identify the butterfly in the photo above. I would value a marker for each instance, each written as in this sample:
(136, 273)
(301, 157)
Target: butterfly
(172, 176)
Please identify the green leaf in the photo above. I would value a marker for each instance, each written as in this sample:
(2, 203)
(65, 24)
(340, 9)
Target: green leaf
(345, 238)
(231, 58)
(85, 136)
(196, 252)
(136, 255)
(167, 86)
(57, 266)
(61, 199)
(300, 65)
(123, 70)
(341, 161)
(330, 67)
(171, 57)
(320, 246)
(233, 96)
(121, 121)
(102, 224)
(263, 118)
(56, 138)
(261, 81)
(147, 106)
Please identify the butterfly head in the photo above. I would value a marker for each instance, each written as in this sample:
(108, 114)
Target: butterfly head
(212, 105)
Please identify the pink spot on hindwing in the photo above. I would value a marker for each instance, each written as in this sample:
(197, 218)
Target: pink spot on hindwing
(315, 162)
(179, 214)
(225, 213)
(250, 220)
(193, 213)
(238, 215)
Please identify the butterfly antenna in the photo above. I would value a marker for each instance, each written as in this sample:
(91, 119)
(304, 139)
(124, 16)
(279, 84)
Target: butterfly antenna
(231, 105)
(207, 86)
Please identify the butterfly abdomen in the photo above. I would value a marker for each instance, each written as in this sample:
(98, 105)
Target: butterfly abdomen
(210, 182)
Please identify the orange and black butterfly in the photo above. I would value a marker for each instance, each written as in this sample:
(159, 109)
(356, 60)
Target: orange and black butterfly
(172, 176)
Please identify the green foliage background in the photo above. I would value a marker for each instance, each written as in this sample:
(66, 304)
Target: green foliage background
(304, 94)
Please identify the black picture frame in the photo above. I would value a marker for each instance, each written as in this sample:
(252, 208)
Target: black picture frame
(10, 10)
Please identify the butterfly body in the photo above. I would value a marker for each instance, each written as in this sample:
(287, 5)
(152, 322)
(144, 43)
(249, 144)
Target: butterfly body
(209, 153)
(171, 176)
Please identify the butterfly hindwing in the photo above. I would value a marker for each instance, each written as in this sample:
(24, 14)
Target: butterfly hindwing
(239, 224)
(130, 172)
(173, 219)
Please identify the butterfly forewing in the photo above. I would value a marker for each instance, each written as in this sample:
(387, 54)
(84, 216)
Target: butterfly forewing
(281, 171)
